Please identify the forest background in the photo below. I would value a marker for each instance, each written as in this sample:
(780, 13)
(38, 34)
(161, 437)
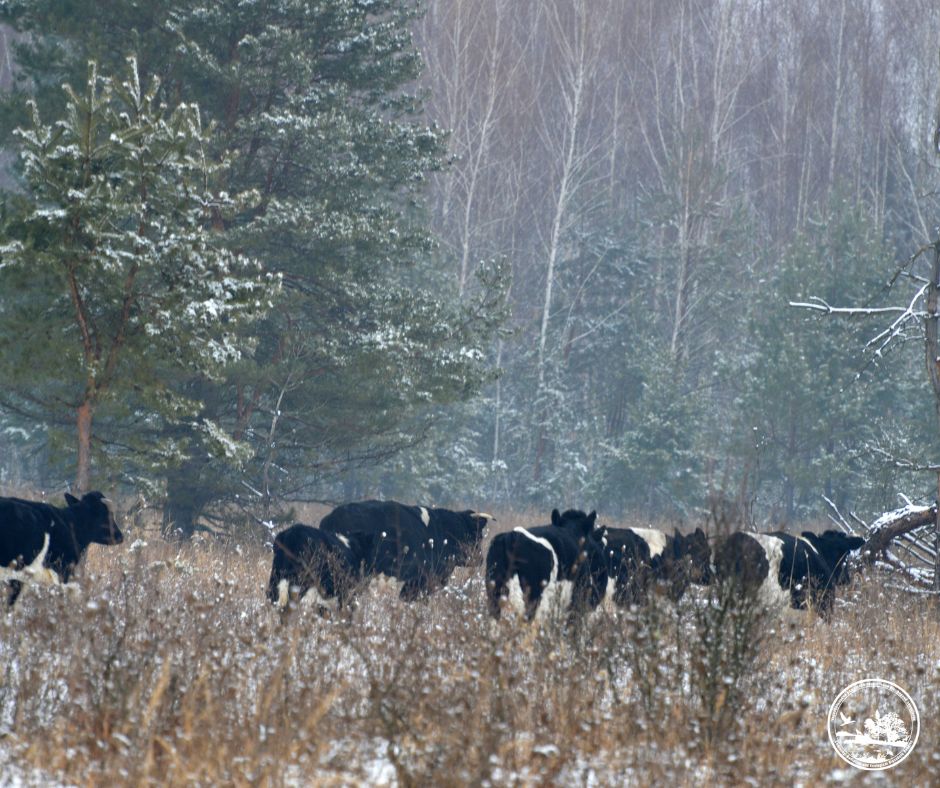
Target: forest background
(468, 253)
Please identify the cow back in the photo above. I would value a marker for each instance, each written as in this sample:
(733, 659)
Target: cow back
(23, 526)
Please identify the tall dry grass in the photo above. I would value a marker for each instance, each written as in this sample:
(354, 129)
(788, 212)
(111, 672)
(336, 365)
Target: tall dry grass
(168, 667)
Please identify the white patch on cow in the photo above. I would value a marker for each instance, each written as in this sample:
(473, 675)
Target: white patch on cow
(516, 599)
(37, 563)
(556, 599)
(33, 572)
(808, 543)
(544, 543)
(655, 539)
(425, 517)
(607, 603)
(283, 594)
(556, 596)
(770, 592)
(344, 540)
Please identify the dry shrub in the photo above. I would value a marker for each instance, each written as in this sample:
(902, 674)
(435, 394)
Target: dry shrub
(170, 667)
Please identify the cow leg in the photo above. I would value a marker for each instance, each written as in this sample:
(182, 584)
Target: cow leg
(14, 591)
(495, 593)
(639, 583)
(800, 596)
(532, 597)
(823, 601)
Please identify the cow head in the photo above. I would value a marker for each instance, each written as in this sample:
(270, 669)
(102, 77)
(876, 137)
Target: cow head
(479, 520)
(699, 555)
(575, 520)
(834, 546)
(94, 519)
(688, 559)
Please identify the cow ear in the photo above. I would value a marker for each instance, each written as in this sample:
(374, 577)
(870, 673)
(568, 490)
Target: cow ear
(699, 531)
(71, 500)
(592, 518)
(556, 517)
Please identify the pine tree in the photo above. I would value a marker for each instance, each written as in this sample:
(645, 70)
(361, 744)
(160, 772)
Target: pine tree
(312, 105)
(112, 280)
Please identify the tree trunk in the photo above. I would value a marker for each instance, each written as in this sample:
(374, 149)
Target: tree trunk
(936, 545)
(933, 372)
(185, 500)
(83, 422)
(930, 329)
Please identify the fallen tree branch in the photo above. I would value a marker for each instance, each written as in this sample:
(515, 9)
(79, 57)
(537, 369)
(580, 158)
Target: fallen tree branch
(894, 524)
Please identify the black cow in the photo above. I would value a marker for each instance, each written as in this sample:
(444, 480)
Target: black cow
(45, 543)
(549, 567)
(637, 557)
(420, 546)
(331, 566)
(784, 570)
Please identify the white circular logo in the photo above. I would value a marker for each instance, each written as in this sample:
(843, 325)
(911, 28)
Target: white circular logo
(873, 724)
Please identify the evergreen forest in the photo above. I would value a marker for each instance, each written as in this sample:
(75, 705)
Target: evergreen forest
(627, 255)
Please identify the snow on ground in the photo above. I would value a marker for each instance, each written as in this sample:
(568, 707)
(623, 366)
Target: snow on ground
(173, 667)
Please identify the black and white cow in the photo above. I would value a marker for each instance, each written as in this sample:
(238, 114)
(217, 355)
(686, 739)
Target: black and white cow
(784, 570)
(329, 566)
(638, 557)
(44, 543)
(629, 560)
(417, 545)
(548, 569)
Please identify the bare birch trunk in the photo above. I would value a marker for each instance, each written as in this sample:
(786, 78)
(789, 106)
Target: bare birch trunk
(836, 104)
(936, 544)
(933, 372)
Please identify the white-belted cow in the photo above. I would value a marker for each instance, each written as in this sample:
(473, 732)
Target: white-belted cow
(44, 543)
(784, 570)
(317, 566)
(417, 545)
(639, 557)
(547, 569)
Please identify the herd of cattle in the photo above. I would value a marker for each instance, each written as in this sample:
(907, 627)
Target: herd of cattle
(572, 564)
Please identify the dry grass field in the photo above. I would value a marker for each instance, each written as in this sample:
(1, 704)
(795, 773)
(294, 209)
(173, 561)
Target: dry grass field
(168, 667)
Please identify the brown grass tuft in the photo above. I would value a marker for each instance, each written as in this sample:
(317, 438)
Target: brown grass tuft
(169, 667)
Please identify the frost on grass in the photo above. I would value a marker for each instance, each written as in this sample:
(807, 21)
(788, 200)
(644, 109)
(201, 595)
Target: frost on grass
(174, 668)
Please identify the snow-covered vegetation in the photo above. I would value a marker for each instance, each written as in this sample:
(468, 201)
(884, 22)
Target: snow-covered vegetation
(628, 255)
(171, 667)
